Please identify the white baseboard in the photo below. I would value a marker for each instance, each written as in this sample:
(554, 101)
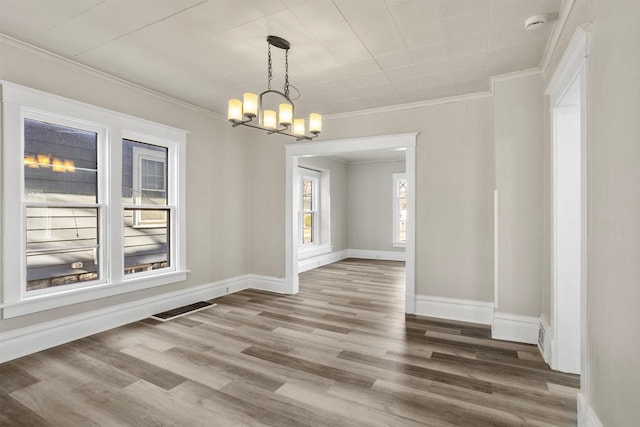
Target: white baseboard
(586, 415)
(515, 327)
(28, 340)
(320, 260)
(455, 309)
(268, 283)
(410, 304)
(382, 255)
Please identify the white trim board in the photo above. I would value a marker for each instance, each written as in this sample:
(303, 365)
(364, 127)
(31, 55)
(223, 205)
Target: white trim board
(31, 339)
(320, 260)
(587, 417)
(381, 255)
(267, 283)
(455, 309)
(515, 327)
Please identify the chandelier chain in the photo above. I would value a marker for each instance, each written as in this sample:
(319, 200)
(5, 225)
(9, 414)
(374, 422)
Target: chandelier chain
(270, 70)
(286, 73)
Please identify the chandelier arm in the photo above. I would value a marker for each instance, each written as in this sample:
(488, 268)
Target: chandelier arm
(272, 131)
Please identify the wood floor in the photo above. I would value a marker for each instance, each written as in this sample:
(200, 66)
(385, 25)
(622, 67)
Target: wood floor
(340, 353)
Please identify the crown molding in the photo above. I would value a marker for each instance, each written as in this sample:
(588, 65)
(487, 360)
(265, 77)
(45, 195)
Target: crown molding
(512, 76)
(409, 106)
(515, 75)
(10, 41)
(563, 16)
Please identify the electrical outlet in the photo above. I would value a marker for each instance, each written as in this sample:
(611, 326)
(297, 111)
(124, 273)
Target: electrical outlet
(227, 289)
(78, 264)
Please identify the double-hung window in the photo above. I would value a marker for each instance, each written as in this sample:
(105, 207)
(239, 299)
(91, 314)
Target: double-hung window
(93, 202)
(399, 209)
(63, 203)
(147, 214)
(309, 207)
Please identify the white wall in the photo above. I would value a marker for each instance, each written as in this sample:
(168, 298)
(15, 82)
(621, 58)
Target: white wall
(370, 205)
(216, 170)
(519, 181)
(613, 212)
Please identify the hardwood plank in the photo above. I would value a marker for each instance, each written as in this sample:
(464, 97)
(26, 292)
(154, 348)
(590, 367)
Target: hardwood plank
(309, 367)
(142, 369)
(13, 412)
(13, 378)
(418, 371)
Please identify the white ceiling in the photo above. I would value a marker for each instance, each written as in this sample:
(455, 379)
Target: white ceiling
(345, 55)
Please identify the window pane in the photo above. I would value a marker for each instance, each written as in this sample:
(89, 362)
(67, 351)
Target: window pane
(306, 204)
(146, 247)
(402, 208)
(60, 163)
(144, 173)
(402, 232)
(402, 188)
(62, 246)
(307, 228)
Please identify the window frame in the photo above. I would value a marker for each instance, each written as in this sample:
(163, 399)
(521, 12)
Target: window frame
(20, 102)
(395, 241)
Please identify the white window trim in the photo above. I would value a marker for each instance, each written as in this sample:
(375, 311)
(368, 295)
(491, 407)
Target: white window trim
(395, 242)
(19, 101)
(315, 176)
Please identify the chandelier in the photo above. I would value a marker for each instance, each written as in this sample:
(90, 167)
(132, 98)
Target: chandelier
(243, 113)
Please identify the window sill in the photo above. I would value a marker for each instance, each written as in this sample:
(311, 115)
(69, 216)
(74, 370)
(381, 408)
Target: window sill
(310, 251)
(399, 244)
(38, 303)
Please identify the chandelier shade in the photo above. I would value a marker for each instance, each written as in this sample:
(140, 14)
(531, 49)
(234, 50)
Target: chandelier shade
(252, 111)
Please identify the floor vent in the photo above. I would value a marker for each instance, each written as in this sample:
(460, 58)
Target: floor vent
(541, 336)
(182, 311)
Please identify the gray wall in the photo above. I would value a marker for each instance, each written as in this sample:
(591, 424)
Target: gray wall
(613, 213)
(216, 171)
(455, 182)
(454, 191)
(519, 181)
(370, 209)
(338, 194)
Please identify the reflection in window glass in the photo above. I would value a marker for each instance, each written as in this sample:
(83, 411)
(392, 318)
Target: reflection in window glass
(146, 248)
(60, 180)
(60, 163)
(144, 173)
(62, 245)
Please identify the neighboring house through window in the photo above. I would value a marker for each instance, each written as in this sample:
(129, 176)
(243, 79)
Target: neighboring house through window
(91, 199)
(399, 209)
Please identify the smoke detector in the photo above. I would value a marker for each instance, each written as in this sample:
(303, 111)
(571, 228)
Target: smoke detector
(535, 22)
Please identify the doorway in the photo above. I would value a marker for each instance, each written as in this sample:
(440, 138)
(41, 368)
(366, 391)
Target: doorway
(294, 152)
(567, 92)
